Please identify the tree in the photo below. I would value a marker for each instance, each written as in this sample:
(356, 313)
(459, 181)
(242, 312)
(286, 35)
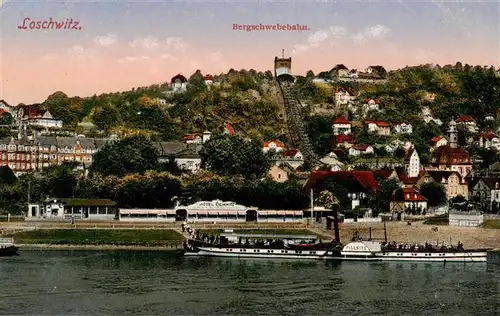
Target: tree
(133, 154)
(106, 117)
(399, 152)
(330, 202)
(7, 176)
(234, 155)
(59, 105)
(59, 180)
(385, 191)
(149, 190)
(6, 119)
(435, 193)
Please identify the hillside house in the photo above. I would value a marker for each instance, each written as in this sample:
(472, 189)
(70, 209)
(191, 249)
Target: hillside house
(466, 122)
(386, 174)
(403, 128)
(358, 184)
(376, 70)
(427, 116)
(438, 141)
(340, 71)
(31, 116)
(370, 105)
(406, 200)
(291, 157)
(279, 173)
(345, 141)
(192, 139)
(208, 79)
(331, 160)
(489, 140)
(486, 193)
(454, 184)
(358, 150)
(341, 126)
(343, 97)
(412, 163)
(395, 144)
(189, 159)
(275, 145)
(179, 83)
(379, 127)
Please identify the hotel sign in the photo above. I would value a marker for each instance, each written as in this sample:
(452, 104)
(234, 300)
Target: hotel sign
(216, 204)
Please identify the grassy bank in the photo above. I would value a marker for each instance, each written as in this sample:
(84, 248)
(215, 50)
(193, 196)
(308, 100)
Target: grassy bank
(491, 223)
(437, 220)
(263, 231)
(122, 237)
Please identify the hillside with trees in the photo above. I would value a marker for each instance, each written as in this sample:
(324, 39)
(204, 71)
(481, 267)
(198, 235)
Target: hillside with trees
(128, 171)
(447, 91)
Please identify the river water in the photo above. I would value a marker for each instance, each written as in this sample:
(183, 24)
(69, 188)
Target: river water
(140, 283)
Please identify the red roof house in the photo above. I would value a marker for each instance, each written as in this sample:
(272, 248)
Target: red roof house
(407, 199)
(360, 181)
(341, 120)
(464, 119)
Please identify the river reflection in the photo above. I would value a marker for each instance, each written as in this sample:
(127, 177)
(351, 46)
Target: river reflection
(152, 283)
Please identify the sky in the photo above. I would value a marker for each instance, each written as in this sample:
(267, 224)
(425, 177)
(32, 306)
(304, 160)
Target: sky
(119, 45)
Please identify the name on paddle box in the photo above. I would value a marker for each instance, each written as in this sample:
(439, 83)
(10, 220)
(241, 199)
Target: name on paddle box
(356, 248)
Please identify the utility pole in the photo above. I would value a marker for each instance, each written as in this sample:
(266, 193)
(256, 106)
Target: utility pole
(312, 205)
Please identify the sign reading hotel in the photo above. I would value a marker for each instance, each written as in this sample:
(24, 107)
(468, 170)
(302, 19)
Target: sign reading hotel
(214, 205)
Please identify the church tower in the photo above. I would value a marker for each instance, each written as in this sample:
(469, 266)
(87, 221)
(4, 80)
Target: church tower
(452, 134)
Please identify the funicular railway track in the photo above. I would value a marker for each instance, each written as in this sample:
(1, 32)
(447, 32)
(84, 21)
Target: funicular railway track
(295, 123)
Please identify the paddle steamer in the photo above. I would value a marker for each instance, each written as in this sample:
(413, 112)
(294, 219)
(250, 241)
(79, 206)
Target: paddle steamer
(230, 244)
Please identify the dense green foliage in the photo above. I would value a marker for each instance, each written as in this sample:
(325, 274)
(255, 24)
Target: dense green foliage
(246, 99)
(234, 155)
(448, 91)
(438, 220)
(435, 193)
(133, 154)
(128, 172)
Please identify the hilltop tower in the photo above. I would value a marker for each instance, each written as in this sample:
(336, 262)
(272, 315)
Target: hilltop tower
(282, 65)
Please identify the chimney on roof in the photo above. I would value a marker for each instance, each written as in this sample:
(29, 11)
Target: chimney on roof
(283, 53)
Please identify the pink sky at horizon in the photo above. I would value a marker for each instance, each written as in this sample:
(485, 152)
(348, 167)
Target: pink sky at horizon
(111, 55)
(25, 80)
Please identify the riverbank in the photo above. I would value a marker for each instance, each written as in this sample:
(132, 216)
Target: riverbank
(417, 232)
(170, 239)
(45, 247)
